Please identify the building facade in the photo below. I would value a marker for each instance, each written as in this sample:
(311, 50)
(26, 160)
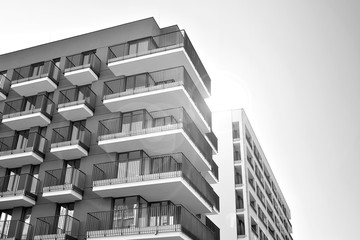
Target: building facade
(107, 135)
(252, 204)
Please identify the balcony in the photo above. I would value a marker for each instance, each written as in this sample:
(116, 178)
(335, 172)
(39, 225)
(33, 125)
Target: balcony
(212, 139)
(5, 84)
(19, 150)
(71, 142)
(212, 176)
(18, 191)
(148, 91)
(77, 103)
(156, 178)
(156, 133)
(58, 227)
(167, 222)
(64, 185)
(15, 229)
(36, 78)
(82, 69)
(159, 52)
(28, 112)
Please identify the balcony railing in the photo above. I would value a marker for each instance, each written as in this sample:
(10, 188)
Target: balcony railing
(148, 220)
(25, 106)
(64, 179)
(81, 61)
(77, 95)
(55, 226)
(5, 84)
(160, 43)
(142, 122)
(158, 80)
(23, 184)
(75, 134)
(31, 142)
(215, 169)
(138, 170)
(32, 72)
(213, 139)
(15, 229)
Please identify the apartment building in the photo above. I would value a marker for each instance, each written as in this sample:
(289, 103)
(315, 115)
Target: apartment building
(107, 135)
(252, 204)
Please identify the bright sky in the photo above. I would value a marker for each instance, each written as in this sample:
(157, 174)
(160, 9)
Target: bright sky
(293, 65)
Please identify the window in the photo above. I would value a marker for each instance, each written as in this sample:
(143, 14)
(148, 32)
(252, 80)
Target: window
(240, 225)
(254, 226)
(236, 149)
(252, 202)
(236, 131)
(238, 177)
(239, 200)
(248, 137)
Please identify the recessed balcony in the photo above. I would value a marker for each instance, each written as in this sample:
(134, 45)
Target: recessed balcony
(71, 142)
(77, 103)
(18, 191)
(28, 112)
(23, 148)
(15, 229)
(82, 69)
(57, 227)
(156, 178)
(158, 132)
(148, 90)
(5, 84)
(172, 222)
(36, 78)
(64, 185)
(159, 52)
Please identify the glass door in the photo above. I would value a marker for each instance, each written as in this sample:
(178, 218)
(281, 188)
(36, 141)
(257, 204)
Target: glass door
(70, 176)
(26, 219)
(13, 179)
(36, 69)
(126, 212)
(5, 220)
(139, 46)
(66, 212)
(22, 140)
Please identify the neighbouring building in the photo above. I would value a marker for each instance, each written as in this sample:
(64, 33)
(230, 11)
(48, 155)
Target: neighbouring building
(252, 204)
(106, 135)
